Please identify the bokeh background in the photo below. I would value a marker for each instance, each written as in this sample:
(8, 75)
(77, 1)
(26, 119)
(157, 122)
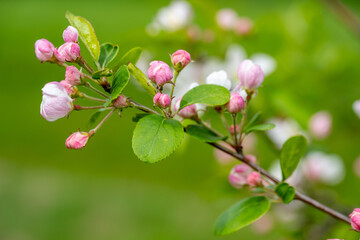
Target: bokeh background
(104, 191)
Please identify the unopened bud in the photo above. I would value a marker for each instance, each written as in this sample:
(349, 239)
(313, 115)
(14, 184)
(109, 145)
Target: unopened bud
(44, 50)
(238, 175)
(70, 34)
(73, 76)
(159, 73)
(226, 18)
(243, 26)
(219, 78)
(251, 158)
(251, 75)
(231, 129)
(254, 179)
(236, 103)
(68, 52)
(162, 100)
(70, 89)
(77, 140)
(355, 219)
(180, 59)
(320, 124)
(186, 112)
(121, 102)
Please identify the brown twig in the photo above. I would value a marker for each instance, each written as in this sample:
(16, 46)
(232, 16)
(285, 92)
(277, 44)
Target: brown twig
(345, 14)
(298, 195)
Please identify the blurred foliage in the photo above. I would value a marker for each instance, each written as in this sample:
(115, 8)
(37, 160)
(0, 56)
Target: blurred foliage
(104, 191)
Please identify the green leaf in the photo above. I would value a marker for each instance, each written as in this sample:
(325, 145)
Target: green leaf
(285, 192)
(140, 77)
(260, 127)
(139, 116)
(202, 133)
(252, 121)
(86, 33)
(121, 79)
(102, 73)
(108, 52)
(155, 138)
(209, 94)
(292, 151)
(132, 56)
(241, 214)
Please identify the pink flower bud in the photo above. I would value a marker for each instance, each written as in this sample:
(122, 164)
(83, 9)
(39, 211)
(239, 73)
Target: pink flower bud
(186, 112)
(44, 50)
(121, 102)
(159, 73)
(226, 18)
(73, 76)
(243, 26)
(180, 59)
(68, 87)
(236, 103)
(70, 34)
(355, 219)
(320, 124)
(238, 175)
(231, 129)
(254, 179)
(251, 75)
(68, 52)
(56, 103)
(162, 100)
(251, 158)
(223, 158)
(77, 140)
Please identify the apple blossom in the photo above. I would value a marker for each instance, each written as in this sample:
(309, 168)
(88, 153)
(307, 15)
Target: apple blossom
(70, 34)
(56, 102)
(44, 50)
(77, 140)
(159, 73)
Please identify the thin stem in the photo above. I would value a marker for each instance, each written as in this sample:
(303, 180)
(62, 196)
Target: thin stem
(102, 121)
(298, 195)
(78, 107)
(235, 134)
(90, 78)
(82, 62)
(223, 119)
(199, 121)
(143, 108)
(345, 14)
(62, 64)
(176, 74)
(242, 123)
(83, 95)
(88, 85)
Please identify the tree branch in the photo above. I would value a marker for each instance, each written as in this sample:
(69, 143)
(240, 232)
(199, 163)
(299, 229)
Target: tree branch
(298, 195)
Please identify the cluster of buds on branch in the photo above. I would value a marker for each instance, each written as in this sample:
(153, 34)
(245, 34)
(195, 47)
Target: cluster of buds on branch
(161, 128)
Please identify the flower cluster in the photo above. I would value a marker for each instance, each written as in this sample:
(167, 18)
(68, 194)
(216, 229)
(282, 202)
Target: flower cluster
(58, 97)
(68, 52)
(241, 175)
(160, 129)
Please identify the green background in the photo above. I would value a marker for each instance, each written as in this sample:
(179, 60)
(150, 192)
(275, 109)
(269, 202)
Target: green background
(104, 191)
